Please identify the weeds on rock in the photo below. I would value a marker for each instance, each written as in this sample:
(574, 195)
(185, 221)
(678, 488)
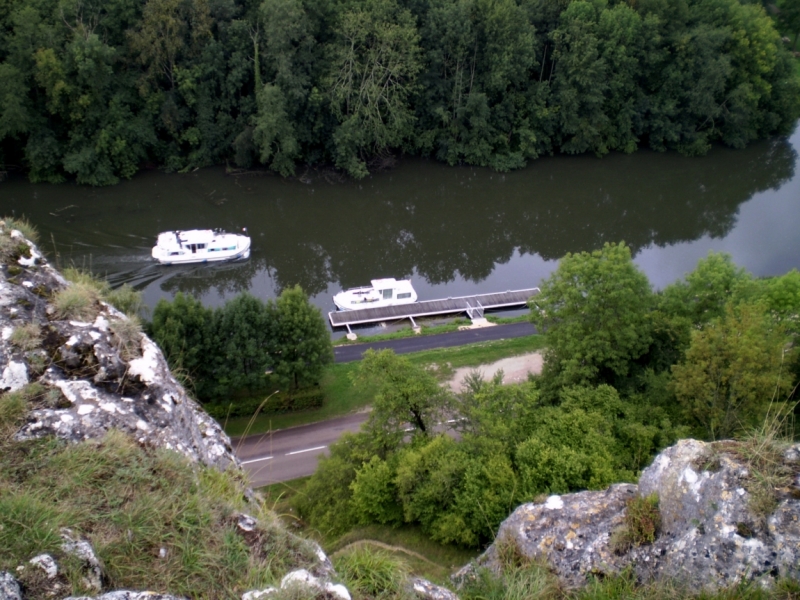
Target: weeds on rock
(641, 525)
(26, 337)
(763, 450)
(14, 405)
(79, 302)
(125, 298)
(23, 226)
(127, 337)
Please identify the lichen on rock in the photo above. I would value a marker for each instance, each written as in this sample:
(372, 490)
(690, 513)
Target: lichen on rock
(103, 390)
(709, 538)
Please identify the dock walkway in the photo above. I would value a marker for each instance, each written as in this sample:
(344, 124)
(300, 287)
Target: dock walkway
(472, 305)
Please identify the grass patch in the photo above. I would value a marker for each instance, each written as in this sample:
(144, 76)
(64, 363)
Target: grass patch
(406, 332)
(125, 298)
(763, 451)
(342, 398)
(424, 557)
(371, 573)
(23, 226)
(155, 520)
(79, 302)
(26, 337)
(127, 337)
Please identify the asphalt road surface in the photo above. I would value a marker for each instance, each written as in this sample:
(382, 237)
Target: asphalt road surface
(442, 340)
(292, 453)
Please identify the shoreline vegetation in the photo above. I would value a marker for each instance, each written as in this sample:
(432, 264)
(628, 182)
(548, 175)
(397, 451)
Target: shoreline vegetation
(96, 91)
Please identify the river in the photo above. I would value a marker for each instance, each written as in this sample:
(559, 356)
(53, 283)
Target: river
(452, 230)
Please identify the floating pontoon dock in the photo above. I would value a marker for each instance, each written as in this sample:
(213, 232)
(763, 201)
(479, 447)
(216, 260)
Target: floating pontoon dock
(472, 305)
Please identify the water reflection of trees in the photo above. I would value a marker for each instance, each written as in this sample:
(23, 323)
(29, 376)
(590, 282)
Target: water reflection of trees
(437, 221)
(465, 227)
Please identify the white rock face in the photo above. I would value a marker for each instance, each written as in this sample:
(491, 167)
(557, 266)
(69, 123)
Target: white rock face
(9, 588)
(709, 537)
(46, 563)
(101, 390)
(92, 573)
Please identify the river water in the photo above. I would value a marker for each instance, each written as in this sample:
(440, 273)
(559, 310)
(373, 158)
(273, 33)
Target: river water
(452, 230)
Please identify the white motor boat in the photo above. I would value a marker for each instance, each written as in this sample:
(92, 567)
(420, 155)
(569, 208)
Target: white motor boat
(200, 246)
(382, 292)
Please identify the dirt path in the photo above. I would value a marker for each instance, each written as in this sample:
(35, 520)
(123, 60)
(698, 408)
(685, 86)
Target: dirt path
(515, 369)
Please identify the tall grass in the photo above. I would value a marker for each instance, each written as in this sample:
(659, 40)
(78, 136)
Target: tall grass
(132, 503)
(24, 226)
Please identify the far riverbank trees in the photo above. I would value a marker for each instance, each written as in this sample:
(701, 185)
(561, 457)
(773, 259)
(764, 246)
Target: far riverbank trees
(95, 90)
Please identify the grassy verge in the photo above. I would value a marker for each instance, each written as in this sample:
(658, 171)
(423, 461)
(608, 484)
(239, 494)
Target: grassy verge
(407, 331)
(342, 398)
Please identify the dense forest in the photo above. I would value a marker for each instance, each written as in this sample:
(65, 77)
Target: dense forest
(95, 90)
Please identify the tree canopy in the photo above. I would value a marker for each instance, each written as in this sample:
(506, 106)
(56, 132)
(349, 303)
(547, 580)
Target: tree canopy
(95, 90)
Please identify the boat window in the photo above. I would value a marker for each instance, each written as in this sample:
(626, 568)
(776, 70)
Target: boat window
(387, 294)
(200, 246)
(175, 253)
(404, 295)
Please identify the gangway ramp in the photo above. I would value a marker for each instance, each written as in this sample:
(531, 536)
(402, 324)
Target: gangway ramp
(427, 308)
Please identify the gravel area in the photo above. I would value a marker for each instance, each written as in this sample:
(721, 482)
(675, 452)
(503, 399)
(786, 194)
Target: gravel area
(515, 369)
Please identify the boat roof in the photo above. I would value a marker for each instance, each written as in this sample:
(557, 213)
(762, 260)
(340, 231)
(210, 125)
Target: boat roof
(390, 282)
(194, 236)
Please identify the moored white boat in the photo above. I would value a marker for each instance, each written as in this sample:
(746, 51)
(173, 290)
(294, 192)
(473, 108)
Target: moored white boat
(382, 292)
(200, 246)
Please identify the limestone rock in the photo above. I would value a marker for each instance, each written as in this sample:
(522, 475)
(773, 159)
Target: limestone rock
(423, 588)
(9, 588)
(46, 563)
(95, 387)
(304, 579)
(571, 532)
(710, 537)
(92, 573)
(128, 595)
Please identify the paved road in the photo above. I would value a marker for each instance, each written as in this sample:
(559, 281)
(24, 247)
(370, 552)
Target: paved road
(441, 340)
(292, 453)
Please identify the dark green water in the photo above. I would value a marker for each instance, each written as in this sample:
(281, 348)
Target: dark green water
(453, 231)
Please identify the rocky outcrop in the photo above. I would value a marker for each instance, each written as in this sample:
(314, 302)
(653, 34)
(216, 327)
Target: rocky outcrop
(93, 383)
(102, 373)
(711, 536)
